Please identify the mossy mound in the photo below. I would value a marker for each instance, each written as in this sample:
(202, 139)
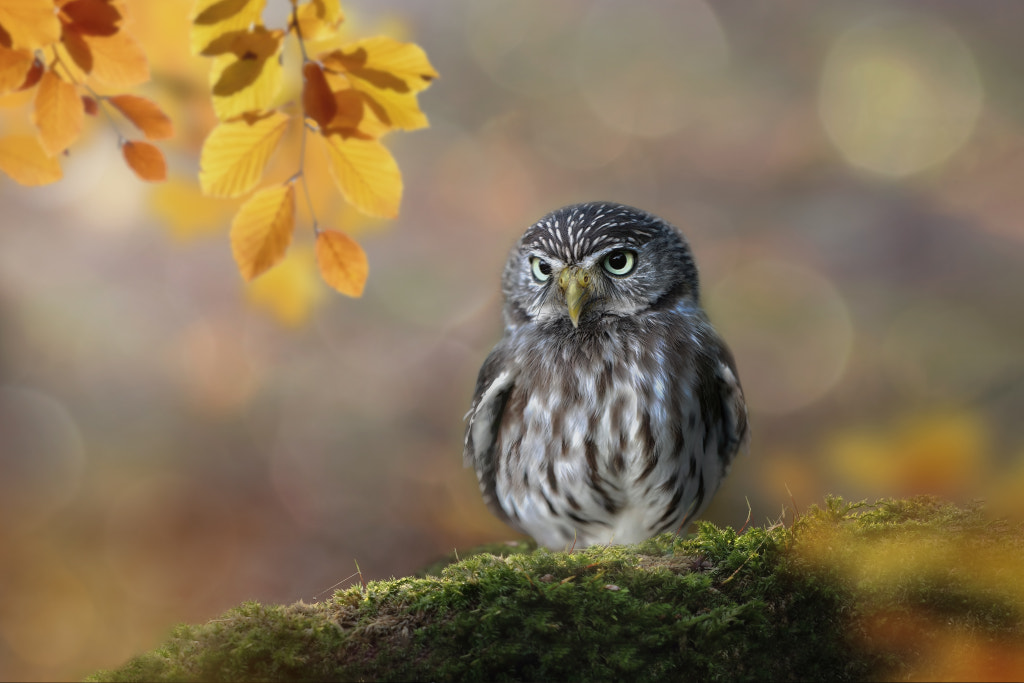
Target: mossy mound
(850, 591)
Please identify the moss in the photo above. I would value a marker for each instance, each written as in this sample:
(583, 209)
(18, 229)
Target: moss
(805, 602)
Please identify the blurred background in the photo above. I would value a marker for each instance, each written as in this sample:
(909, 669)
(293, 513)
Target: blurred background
(172, 441)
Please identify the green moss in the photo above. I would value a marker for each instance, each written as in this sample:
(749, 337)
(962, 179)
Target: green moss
(771, 603)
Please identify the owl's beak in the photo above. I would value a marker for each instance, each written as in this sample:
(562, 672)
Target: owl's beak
(577, 284)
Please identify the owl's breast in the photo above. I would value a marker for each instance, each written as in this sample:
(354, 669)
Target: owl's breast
(591, 438)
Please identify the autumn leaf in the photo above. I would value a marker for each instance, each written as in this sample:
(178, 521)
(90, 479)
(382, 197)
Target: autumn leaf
(58, 114)
(248, 78)
(319, 19)
(34, 74)
(385, 63)
(29, 24)
(146, 160)
(79, 51)
(91, 17)
(118, 61)
(366, 173)
(90, 106)
(145, 115)
(236, 152)
(317, 99)
(394, 109)
(262, 230)
(25, 161)
(14, 68)
(389, 74)
(342, 262)
(212, 20)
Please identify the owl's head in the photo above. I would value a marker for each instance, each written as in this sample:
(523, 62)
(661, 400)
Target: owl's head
(587, 261)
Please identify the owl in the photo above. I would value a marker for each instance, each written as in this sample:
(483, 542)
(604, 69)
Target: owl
(610, 410)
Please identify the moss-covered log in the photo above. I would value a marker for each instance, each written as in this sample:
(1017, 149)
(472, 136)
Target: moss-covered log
(913, 588)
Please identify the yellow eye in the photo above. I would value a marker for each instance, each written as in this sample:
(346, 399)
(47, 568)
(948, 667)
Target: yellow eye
(541, 269)
(620, 262)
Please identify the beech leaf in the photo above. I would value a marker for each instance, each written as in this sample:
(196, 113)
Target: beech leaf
(236, 152)
(146, 160)
(145, 115)
(342, 262)
(366, 174)
(58, 113)
(262, 230)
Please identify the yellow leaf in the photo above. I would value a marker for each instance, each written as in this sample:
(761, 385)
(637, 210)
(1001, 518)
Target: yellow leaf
(366, 173)
(213, 20)
(29, 24)
(394, 109)
(262, 230)
(118, 61)
(236, 152)
(342, 262)
(188, 212)
(290, 290)
(146, 160)
(319, 19)
(385, 63)
(145, 114)
(248, 78)
(58, 114)
(23, 158)
(14, 68)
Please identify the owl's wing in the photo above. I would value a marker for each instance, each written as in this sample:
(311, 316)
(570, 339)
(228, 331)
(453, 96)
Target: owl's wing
(733, 424)
(493, 386)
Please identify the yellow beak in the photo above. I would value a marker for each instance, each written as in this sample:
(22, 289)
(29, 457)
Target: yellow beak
(576, 284)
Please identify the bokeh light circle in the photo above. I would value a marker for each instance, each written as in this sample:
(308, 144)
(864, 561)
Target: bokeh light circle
(789, 329)
(642, 66)
(899, 93)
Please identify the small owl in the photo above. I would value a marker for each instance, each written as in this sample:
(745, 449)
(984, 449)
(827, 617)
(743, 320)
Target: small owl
(610, 410)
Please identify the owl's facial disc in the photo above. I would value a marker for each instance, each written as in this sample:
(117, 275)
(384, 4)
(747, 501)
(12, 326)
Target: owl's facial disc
(578, 286)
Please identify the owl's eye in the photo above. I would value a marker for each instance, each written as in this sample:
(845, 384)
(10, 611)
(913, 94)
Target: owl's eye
(541, 269)
(620, 262)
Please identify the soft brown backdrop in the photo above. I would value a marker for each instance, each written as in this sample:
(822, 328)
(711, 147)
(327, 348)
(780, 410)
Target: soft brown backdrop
(850, 177)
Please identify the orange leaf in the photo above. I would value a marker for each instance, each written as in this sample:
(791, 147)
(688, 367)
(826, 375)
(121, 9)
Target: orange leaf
(236, 152)
(92, 17)
(58, 114)
(342, 262)
(213, 20)
(23, 158)
(317, 98)
(118, 60)
(89, 106)
(366, 173)
(33, 75)
(29, 24)
(79, 50)
(262, 230)
(145, 114)
(14, 68)
(145, 159)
